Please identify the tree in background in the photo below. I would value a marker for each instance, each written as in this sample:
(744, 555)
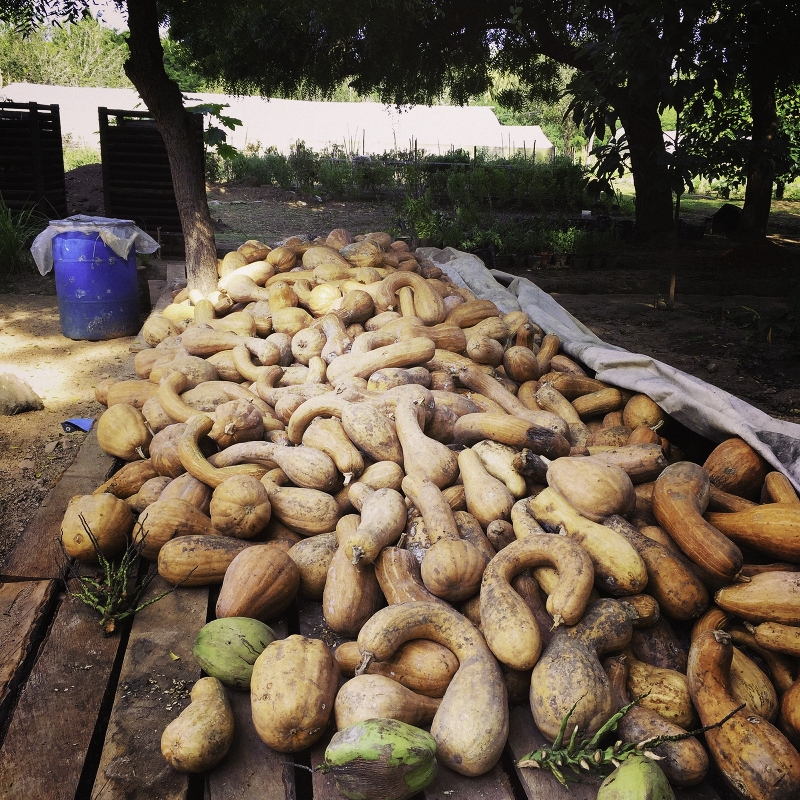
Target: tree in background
(749, 46)
(624, 58)
(81, 53)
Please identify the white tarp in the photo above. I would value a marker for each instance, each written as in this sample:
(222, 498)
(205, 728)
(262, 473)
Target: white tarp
(704, 409)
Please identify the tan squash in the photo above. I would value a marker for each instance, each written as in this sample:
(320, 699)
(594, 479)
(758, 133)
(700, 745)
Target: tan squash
(400, 578)
(772, 529)
(240, 507)
(313, 557)
(236, 421)
(664, 691)
(328, 436)
(684, 761)
(96, 522)
(421, 665)
(487, 497)
(200, 737)
(167, 518)
(133, 393)
(123, 432)
(150, 492)
(618, 568)
(128, 479)
(307, 511)
(591, 486)
(261, 582)
(680, 497)
(187, 487)
(471, 724)
(351, 594)
(194, 461)
(378, 697)
(510, 628)
(383, 518)
(753, 756)
(452, 568)
(510, 430)
(768, 597)
(680, 593)
(292, 692)
(735, 467)
(569, 676)
(421, 453)
(198, 560)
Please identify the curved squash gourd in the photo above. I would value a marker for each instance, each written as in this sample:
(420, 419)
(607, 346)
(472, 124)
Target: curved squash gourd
(471, 724)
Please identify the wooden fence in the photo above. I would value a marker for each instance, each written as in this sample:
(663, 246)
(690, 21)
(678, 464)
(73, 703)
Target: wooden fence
(137, 181)
(31, 159)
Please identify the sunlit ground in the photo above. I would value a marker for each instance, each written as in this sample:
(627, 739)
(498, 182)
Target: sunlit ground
(61, 371)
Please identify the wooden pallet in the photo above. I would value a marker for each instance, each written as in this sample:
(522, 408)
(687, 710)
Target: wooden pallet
(81, 715)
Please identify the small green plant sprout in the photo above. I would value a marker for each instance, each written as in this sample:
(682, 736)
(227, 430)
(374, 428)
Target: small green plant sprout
(113, 592)
(586, 756)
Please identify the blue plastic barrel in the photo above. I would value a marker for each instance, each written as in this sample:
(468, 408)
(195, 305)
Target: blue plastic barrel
(98, 293)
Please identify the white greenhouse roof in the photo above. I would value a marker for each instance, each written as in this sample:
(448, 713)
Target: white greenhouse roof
(370, 128)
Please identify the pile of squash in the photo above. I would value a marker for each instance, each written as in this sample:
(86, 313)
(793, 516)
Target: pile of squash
(486, 522)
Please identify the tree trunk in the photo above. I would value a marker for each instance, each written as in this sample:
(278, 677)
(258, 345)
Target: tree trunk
(761, 164)
(145, 68)
(650, 179)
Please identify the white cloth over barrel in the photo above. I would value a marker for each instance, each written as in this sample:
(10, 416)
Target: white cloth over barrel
(704, 409)
(119, 235)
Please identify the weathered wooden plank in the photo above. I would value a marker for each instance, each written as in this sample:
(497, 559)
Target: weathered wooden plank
(21, 605)
(523, 738)
(449, 785)
(251, 769)
(38, 552)
(157, 675)
(51, 729)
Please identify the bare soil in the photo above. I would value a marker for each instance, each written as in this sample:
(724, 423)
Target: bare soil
(711, 330)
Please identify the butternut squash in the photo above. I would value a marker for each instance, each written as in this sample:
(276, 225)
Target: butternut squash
(471, 724)
(507, 623)
(735, 467)
(680, 496)
(261, 582)
(569, 674)
(421, 665)
(292, 692)
(679, 592)
(351, 594)
(684, 761)
(618, 568)
(379, 697)
(755, 759)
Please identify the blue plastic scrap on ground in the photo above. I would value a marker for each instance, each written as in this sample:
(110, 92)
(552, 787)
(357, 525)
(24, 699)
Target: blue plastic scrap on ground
(78, 424)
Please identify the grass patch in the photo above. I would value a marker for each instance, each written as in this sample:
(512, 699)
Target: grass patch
(78, 156)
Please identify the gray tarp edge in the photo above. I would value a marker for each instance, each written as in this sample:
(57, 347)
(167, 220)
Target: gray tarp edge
(704, 409)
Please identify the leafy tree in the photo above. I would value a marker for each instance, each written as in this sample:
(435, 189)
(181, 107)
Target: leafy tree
(81, 53)
(749, 46)
(412, 51)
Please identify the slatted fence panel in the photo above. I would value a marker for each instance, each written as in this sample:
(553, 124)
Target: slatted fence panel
(137, 181)
(31, 158)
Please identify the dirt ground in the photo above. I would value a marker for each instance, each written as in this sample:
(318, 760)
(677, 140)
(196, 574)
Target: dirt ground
(710, 332)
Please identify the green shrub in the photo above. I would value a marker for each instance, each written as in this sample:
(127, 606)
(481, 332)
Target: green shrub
(17, 232)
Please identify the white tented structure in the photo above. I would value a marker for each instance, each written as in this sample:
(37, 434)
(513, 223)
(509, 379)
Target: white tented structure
(352, 128)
